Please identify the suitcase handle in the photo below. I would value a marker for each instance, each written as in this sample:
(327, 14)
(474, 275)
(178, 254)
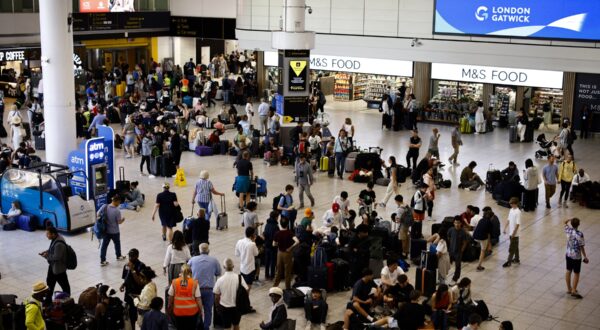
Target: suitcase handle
(223, 204)
(424, 259)
(192, 213)
(121, 173)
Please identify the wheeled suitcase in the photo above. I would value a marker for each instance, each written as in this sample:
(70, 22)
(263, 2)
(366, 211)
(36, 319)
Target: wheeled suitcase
(222, 219)
(40, 142)
(167, 167)
(317, 277)
(188, 100)
(204, 151)
(122, 186)
(416, 246)
(512, 134)
(429, 260)
(425, 281)
(376, 266)
(155, 164)
(330, 276)
(331, 164)
(223, 147)
(349, 165)
(293, 298)
(324, 164)
(341, 274)
(386, 121)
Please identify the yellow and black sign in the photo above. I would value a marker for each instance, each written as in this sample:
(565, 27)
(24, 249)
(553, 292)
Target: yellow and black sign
(298, 74)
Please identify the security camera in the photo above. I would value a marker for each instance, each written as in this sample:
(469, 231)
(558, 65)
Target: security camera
(415, 42)
(309, 9)
(412, 44)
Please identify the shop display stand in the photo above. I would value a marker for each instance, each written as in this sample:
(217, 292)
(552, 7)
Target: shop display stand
(447, 107)
(342, 90)
(359, 85)
(375, 91)
(542, 95)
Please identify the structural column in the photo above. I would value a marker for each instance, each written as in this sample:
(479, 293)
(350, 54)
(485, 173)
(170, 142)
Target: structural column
(59, 83)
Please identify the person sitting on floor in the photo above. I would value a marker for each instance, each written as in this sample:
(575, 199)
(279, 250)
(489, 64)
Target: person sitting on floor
(511, 173)
(469, 179)
(315, 308)
(12, 215)
(364, 295)
(410, 315)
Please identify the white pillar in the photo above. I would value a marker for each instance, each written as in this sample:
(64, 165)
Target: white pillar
(59, 83)
(293, 35)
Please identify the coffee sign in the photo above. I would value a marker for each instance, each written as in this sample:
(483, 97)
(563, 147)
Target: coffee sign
(12, 55)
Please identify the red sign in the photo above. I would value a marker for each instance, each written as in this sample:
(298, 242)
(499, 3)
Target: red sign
(94, 6)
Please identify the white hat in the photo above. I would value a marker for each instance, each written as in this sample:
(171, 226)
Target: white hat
(276, 290)
(16, 120)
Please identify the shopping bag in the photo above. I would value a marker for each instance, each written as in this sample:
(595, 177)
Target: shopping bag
(180, 178)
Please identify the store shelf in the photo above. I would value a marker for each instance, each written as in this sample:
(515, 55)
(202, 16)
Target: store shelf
(342, 90)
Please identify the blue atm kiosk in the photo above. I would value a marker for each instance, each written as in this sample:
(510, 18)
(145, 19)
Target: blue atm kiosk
(95, 158)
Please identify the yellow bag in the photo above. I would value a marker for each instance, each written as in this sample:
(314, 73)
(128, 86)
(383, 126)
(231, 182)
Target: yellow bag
(180, 178)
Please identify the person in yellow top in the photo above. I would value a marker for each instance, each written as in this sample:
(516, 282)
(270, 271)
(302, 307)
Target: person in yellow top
(34, 320)
(184, 300)
(566, 172)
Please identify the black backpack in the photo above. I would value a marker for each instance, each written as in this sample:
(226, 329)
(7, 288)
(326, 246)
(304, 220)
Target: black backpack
(115, 314)
(71, 256)
(276, 201)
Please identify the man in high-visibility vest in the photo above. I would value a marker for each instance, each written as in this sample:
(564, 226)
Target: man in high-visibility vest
(184, 300)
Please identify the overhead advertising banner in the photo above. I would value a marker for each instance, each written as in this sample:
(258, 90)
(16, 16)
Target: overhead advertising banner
(497, 76)
(543, 19)
(298, 73)
(105, 6)
(352, 64)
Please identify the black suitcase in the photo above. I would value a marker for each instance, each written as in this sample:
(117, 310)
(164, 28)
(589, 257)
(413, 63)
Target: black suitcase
(155, 165)
(386, 120)
(512, 134)
(472, 252)
(168, 168)
(223, 147)
(40, 143)
(341, 274)
(331, 169)
(317, 277)
(429, 260)
(293, 298)
(425, 279)
(492, 178)
(416, 247)
(122, 185)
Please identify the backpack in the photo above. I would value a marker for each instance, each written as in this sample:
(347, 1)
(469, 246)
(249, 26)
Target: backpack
(546, 107)
(115, 314)
(276, 201)
(407, 217)
(99, 228)
(71, 256)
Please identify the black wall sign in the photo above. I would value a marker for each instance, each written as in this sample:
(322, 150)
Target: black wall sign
(298, 74)
(297, 53)
(203, 27)
(85, 22)
(20, 54)
(296, 107)
(587, 92)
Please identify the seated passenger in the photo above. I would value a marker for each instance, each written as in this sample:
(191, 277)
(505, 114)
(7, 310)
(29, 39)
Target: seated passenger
(579, 178)
(389, 275)
(461, 299)
(13, 213)
(441, 305)
(469, 179)
(364, 295)
(315, 308)
(134, 198)
(410, 315)
(511, 173)
(332, 217)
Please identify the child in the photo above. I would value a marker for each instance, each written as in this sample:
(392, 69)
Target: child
(315, 308)
(249, 217)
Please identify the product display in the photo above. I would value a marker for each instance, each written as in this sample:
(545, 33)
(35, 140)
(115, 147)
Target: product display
(542, 95)
(452, 101)
(360, 86)
(343, 87)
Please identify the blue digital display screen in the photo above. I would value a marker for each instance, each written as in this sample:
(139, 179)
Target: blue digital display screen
(541, 19)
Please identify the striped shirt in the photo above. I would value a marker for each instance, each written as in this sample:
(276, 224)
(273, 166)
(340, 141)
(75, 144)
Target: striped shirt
(203, 191)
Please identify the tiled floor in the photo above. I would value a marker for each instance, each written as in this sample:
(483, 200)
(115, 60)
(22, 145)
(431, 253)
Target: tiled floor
(532, 294)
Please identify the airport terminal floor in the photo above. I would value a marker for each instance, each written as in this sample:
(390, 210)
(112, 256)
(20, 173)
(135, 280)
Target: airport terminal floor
(532, 295)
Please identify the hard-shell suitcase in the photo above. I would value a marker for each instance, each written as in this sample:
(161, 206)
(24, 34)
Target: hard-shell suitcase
(324, 164)
(188, 101)
(331, 170)
(222, 219)
(465, 126)
(492, 178)
(122, 185)
(416, 246)
(349, 165)
(40, 142)
(26, 222)
(425, 281)
(376, 266)
(512, 134)
(429, 260)
(330, 276)
(341, 274)
(386, 121)
(223, 147)
(168, 168)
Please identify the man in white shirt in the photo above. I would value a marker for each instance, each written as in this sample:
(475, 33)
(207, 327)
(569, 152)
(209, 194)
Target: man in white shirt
(225, 296)
(247, 251)
(263, 115)
(390, 273)
(512, 225)
(344, 203)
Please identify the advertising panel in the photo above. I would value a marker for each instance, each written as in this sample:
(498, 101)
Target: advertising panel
(543, 19)
(105, 6)
(298, 74)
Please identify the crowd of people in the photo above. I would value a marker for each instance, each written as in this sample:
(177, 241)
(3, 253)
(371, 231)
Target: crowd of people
(369, 253)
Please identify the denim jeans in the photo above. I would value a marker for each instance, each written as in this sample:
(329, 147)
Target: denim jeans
(440, 319)
(205, 207)
(270, 261)
(208, 300)
(340, 163)
(116, 238)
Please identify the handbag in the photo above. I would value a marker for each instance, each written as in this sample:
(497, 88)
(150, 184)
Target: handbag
(242, 300)
(178, 214)
(288, 324)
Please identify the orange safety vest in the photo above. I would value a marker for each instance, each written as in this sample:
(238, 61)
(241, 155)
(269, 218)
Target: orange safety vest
(184, 302)
(184, 85)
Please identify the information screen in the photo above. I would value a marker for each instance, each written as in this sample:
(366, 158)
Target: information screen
(105, 6)
(541, 19)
